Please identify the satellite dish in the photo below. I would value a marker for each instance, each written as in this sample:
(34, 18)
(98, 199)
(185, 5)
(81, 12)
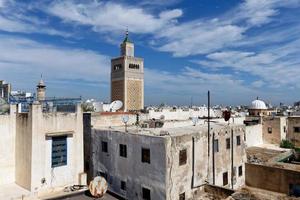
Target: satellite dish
(162, 117)
(116, 105)
(125, 119)
(98, 187)
(4, 106)
(194, 120)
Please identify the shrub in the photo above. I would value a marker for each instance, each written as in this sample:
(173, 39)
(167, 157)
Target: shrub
(286, 144)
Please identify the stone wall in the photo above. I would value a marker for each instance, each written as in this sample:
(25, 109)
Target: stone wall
(271, 178)
(292, 135)
(134, 95)
(273, 129)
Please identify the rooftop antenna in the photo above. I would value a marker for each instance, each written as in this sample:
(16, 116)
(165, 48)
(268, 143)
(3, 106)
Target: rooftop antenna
(125, 119)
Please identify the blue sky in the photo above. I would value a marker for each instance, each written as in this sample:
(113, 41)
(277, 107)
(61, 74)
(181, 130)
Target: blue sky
(237, 49)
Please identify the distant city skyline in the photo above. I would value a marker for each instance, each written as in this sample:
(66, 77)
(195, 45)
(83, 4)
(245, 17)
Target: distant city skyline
(236, 49)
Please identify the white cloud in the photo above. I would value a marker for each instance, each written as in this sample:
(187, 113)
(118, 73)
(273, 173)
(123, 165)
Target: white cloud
(22, 60)
(112, 17)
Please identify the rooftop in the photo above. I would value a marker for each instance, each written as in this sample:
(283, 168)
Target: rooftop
(173, 131)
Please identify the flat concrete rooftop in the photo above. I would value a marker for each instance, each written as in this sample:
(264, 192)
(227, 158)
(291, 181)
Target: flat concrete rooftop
(172, 131)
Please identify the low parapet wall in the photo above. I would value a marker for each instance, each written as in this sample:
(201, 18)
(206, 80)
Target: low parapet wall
(271, 178)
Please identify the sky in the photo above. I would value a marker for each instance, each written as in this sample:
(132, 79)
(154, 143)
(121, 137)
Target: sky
(237, 49)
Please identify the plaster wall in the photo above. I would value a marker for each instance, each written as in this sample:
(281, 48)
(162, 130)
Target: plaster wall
(34, 148)
(253, 135)
(130, 169)
(7, 147)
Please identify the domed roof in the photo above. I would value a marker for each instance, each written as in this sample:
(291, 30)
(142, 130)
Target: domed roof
(258, 104)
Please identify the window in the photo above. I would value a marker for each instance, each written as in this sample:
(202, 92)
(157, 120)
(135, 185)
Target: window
(59, 151)
(134, 66)
(123, 150)
(284, 129)
(146, 194)
(238, 140)
(123, 185)
(225, 178)
(227, 143)
(240, 170)
(216, 145)
(270, 130)
(182, 157)
(104, 146)
(182, 196)
(297, 129)
(145, 155)
(117, 67)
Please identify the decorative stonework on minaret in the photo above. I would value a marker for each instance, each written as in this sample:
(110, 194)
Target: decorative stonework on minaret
(41, 90)
(127, 78)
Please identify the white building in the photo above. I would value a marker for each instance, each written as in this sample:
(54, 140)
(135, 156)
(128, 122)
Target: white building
(164, 163)
(40, 152)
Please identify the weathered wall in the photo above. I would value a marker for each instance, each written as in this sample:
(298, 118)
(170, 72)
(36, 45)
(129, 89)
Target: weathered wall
(23, 150)
(130, 169)
(99, 120)
(271, 178)
(62, 123)
(7, 147)
(34, 148)
(276, 125)
(254, 135)
(182, 178)
(293, 122)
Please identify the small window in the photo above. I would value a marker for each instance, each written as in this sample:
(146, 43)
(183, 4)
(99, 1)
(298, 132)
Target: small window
(227, 143)
(123, 150)
(145, 155)
(216, 145)
(104, 146)
(225, 178)
(240, 170)
(238, 140)
(297, 129)
(59, 151)
(182, 196)
(182, 157)
(123, 185)
(284, 129)
(134, 66)
(146, 194)
(269, 130)
(117, 67)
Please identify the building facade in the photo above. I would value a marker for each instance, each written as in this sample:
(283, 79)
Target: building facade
(166, 163)
(127, 78)
(293, 126)
(41, 151)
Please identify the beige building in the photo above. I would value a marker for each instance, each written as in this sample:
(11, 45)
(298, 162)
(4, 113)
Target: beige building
(40, 151)
(293, 134)
(127, 78)
(274, 129)
(164, 163)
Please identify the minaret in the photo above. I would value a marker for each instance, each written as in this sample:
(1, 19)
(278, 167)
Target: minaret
(127, 77)
(41, 90)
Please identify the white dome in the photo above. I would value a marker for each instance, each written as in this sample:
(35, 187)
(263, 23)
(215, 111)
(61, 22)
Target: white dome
(258, 104)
